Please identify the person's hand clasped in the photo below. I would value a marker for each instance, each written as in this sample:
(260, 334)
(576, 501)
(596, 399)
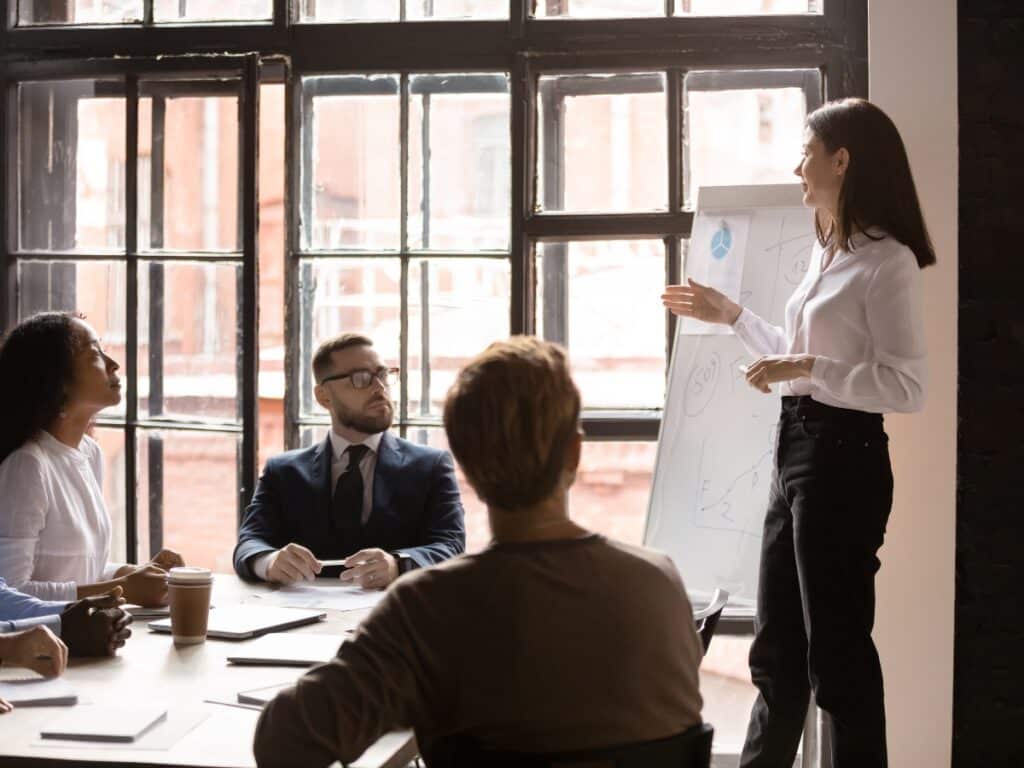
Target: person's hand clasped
(145, 585)
(773, 369)
(37, 649)
(370, 569)
(95, 626)
(293, 562)
(700, 302)
(167, 559)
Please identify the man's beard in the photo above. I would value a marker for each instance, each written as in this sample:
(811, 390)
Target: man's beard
(368, 424)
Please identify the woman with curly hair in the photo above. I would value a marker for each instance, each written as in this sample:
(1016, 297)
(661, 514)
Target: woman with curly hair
(54, 525)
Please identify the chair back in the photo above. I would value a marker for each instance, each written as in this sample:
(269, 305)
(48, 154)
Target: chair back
(707, 617)
(689, 749)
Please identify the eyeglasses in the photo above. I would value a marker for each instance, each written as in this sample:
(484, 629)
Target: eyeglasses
(363, 378)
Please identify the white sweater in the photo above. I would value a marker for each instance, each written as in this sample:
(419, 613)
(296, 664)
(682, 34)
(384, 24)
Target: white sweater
(54, 526)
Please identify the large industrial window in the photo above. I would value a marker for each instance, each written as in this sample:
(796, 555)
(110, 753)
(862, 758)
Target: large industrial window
(218, 186)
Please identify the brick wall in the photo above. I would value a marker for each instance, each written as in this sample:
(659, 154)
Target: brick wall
(988, 703)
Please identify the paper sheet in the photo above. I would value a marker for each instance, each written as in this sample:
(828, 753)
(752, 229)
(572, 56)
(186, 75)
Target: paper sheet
(715, 258)
(324, 597)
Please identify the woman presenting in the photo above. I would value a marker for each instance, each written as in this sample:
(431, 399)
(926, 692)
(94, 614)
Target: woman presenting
(851, 350)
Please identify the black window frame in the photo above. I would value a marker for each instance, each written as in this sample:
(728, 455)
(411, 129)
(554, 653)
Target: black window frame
(833, 42)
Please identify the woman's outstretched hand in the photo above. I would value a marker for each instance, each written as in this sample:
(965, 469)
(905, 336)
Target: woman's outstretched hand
(700, 302)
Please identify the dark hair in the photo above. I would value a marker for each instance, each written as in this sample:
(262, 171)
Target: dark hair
(878, 187)
(322, 358)
(37, 361)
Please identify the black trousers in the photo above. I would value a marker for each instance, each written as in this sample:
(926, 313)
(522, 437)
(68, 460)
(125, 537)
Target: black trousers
(830, 501)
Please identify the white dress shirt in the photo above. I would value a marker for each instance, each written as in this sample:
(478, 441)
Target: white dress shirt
(54, 526)
(861, 317)
(339, 463)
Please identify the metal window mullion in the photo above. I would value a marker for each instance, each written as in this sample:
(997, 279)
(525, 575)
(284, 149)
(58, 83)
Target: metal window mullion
(296, 152)
(154, 442)
(8, 205)
(248, 114)
(403, 244)
(555, 263)
(424, 286)
(132, 314)
(147, 13)
(676, 194)
(524, 141)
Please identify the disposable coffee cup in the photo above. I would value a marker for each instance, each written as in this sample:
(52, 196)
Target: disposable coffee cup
(188, 592)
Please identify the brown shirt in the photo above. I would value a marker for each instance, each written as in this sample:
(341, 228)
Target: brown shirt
(541, 646)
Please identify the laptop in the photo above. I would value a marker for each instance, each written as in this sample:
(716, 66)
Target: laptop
(240, 622)
(287, 650)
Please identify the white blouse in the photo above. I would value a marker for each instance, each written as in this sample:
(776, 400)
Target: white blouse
(861, 317)
(54, 526)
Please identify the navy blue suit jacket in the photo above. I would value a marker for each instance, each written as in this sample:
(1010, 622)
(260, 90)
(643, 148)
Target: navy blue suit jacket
(416, 509)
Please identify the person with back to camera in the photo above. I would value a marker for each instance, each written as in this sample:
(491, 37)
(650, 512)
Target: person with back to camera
(552, 638)
(54, 526)
(852, 349)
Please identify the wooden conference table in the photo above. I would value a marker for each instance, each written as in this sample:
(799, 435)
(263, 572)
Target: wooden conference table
(151, 670)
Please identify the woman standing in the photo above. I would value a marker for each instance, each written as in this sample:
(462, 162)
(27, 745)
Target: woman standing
(852, 349)
(54, 526)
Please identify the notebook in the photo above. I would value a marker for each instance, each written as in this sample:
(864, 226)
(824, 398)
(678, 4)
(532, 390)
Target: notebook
(36, 692)
(287, 650)
(239, 622)
(261, 696)
(107, 724)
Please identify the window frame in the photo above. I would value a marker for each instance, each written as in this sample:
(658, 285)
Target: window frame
(833, 42)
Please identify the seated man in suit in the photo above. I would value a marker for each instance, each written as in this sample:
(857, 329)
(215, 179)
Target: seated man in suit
(553, 638)
(383, 504)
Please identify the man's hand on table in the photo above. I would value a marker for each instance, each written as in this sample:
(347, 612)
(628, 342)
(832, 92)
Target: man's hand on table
(370, 569)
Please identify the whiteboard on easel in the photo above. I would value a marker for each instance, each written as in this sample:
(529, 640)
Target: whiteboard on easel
(717, 442)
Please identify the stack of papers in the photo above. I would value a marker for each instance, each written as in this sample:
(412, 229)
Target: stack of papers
(38, 692)
(259, 697)
(287, 650)
(107, 724)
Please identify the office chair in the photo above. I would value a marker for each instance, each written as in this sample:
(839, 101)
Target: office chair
(707, 618)
(689, 749)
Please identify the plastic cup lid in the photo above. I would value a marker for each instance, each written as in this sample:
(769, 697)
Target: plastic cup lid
(189, 573)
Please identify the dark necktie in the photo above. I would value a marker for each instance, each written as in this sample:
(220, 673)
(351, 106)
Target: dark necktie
(347, 504)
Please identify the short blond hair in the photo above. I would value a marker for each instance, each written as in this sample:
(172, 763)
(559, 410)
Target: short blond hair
(510, 417)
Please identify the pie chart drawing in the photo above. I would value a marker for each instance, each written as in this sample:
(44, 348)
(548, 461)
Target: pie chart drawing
(721, 242)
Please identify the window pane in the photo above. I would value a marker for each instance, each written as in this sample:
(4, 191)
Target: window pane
(71, 165)
(112, 444)
(95, 289)
(600, 8)
(79, 12)
(457, 9)
(349, 10)
(746, 7)
(211, 10)
(603, 143)
(460, 183)
(351, 194)
(348, 295)
(612, 487)
(191, 203)
(188, 348)
(188, 481)
(468, 302)
(600, 299)
(750, 136)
